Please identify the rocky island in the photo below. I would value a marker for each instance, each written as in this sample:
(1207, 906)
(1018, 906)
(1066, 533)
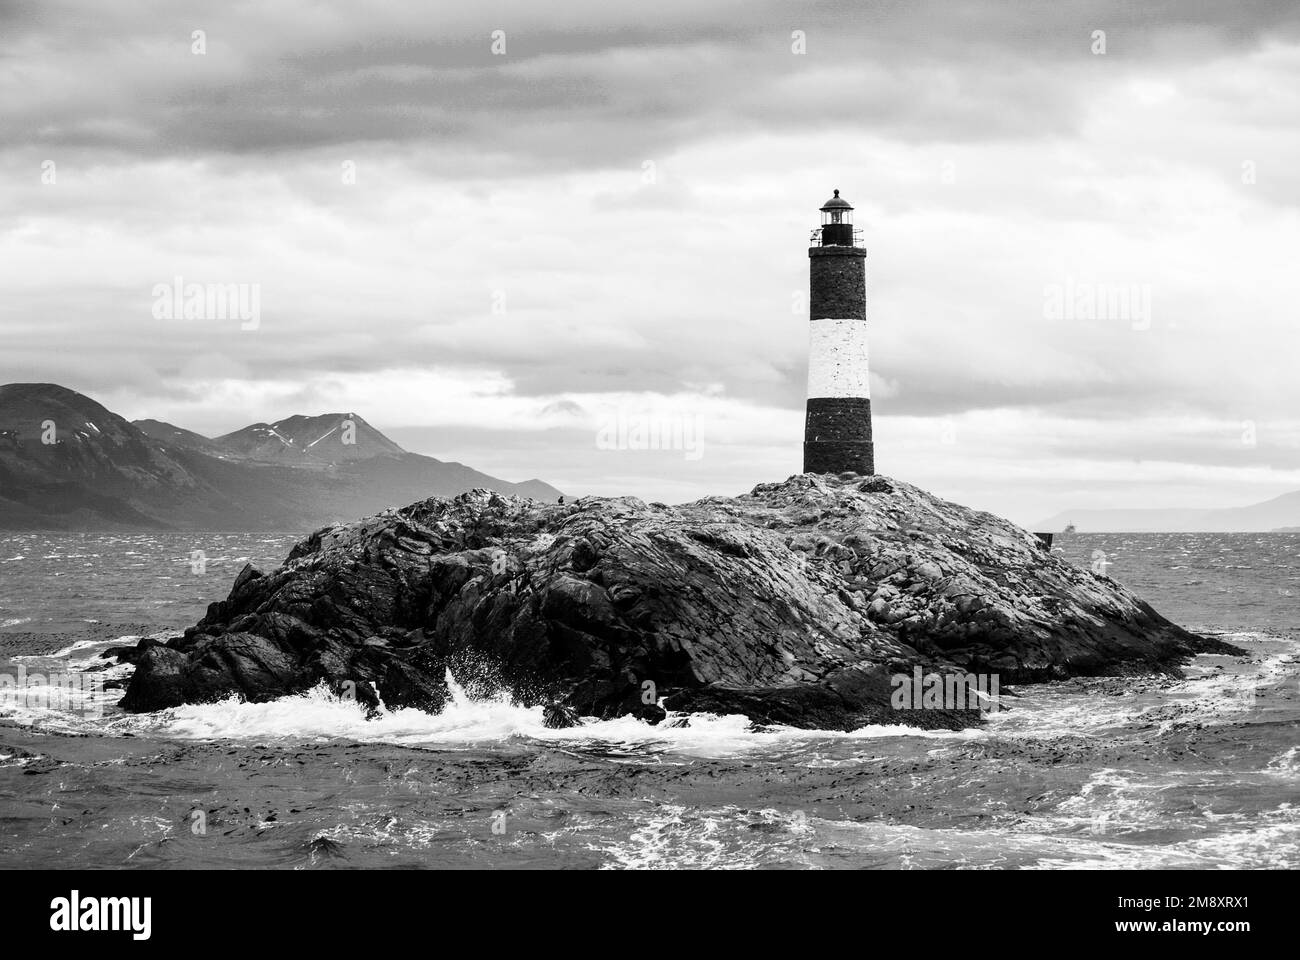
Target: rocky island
(795, 604)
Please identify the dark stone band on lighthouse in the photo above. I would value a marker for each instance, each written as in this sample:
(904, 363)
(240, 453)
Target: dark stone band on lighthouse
(837, 428)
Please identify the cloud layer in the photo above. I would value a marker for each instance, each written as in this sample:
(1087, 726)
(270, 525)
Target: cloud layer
(489, 254)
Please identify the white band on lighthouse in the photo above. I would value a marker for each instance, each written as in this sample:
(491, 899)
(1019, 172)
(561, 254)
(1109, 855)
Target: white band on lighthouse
(837, 359)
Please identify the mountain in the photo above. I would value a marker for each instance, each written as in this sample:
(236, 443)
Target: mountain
(310, 441)
(1279, 513)
(68, 463)
(178, 437)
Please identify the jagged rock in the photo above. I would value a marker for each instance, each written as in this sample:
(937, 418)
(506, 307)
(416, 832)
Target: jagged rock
(131, 654)
(557, 716)
(754, 604)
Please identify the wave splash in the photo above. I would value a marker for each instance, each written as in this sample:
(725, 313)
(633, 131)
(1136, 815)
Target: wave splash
(473, 720)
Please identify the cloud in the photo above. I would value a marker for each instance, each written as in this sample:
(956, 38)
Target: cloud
(582, 84)
(618, 206)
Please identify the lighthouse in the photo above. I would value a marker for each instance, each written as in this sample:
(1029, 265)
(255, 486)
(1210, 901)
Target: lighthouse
(837, 430)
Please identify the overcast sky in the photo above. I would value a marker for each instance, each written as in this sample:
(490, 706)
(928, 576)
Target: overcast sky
(490, 255)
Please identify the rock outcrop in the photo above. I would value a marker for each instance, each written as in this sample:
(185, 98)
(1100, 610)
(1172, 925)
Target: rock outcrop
(796, 603)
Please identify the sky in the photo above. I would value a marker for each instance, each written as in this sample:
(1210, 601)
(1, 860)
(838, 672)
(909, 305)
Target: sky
(522, 235)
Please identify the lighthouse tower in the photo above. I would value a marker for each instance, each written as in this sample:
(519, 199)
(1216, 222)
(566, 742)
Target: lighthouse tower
(837, 432)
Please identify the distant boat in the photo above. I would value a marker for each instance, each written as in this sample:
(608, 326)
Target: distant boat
(1069, 528)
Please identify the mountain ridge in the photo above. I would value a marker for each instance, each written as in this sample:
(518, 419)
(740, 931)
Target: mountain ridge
(69, 463)
(1268, 516)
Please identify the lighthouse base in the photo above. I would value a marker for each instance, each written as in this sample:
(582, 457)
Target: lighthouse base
(837, 436)
(833, 457)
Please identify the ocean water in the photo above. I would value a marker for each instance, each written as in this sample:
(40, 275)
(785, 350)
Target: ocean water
(1197, 772)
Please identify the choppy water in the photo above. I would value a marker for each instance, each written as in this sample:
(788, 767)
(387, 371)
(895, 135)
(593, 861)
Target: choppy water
(1200, 772)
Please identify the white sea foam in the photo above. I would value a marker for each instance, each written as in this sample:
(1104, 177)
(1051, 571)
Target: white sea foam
(1285, 764)
(1272, 844)
(469, 721)
(1273, 841)
(671, 836)
(44, 700)
(668, 836)
(61, 707)
(77, 647)
(1217, 689)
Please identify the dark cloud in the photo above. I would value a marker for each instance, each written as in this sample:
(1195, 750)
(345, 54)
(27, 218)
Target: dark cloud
(579, 86)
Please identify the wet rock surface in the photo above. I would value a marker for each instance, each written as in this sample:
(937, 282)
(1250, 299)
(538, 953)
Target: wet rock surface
(793, 604)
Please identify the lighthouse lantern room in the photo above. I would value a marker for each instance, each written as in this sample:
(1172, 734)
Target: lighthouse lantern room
(837, 223)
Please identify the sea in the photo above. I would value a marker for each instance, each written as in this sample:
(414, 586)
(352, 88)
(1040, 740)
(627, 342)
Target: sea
(1198, 772)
